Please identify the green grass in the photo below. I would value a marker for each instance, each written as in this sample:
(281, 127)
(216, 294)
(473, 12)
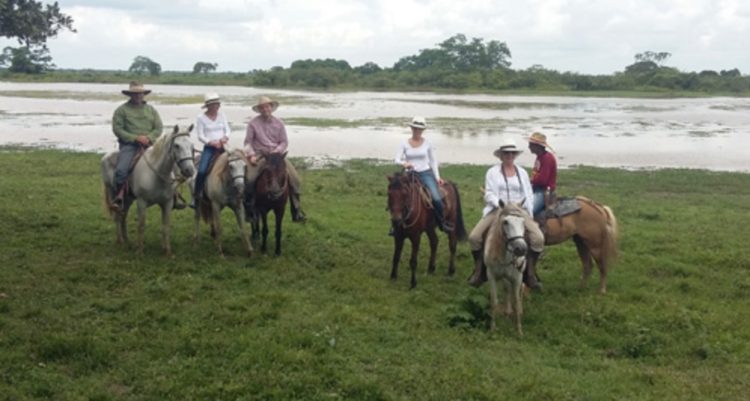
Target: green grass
(81, 319)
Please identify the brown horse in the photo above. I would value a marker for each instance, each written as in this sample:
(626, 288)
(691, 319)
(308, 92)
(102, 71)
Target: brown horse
(594, 231)
(271, 193)
(412, 214)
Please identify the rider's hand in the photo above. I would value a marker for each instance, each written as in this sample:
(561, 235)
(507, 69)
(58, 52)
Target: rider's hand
(253, 160)
(441, 182)
(408, 166)
(143, 140)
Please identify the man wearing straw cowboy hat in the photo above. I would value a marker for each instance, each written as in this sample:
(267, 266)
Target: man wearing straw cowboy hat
(137, 125)
(544, 174)
(267, 134)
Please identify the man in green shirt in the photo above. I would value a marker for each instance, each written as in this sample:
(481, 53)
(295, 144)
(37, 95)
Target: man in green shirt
(137, 125)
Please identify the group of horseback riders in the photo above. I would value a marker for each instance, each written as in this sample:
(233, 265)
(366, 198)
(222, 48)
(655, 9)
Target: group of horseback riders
(137, 125)
(505, 182)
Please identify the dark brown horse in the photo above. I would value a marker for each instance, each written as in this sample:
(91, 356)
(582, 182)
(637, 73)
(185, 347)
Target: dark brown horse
(412, 214)
(594, 231)
(271, 193)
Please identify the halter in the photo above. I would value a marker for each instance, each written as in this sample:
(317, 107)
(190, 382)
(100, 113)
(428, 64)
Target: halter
(284, 188)
(234, 159)
(169, 179)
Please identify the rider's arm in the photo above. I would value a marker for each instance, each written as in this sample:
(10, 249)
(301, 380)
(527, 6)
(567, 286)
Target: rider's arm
(432, 159)
(281, 138)
(119, 123)
(200, 130)
(156, 125)
(491, 189)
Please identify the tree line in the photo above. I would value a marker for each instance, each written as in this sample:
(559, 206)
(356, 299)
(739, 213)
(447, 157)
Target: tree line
(457, 63)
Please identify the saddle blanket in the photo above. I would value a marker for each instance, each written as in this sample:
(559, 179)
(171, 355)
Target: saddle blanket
(563, 207)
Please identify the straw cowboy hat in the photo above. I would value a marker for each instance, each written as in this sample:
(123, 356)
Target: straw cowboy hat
(211, 98)
(508, 145)
(136, 87)
(539, 139)
(265, 100)
(418, 122)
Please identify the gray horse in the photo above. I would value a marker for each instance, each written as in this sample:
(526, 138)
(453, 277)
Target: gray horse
(152, 181)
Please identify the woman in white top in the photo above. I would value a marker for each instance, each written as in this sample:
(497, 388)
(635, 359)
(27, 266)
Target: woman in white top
(506, 182)
(418, 154)
(213, 131)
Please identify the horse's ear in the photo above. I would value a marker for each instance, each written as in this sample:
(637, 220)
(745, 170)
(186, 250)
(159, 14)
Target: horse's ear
(176, 129)
(284, 154)
(190, 128)
(501, 203)
(389, 177)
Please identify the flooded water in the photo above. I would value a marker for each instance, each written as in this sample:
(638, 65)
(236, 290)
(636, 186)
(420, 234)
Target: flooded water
(709, 133)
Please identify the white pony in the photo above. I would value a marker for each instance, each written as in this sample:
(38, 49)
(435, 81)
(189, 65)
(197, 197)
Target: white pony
(152, 182)
(225, 186)
(505, 258)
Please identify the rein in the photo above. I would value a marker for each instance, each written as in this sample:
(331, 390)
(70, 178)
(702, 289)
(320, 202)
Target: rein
(414, 198)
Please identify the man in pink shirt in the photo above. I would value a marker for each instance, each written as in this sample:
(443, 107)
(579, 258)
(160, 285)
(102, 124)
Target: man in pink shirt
(267, 134)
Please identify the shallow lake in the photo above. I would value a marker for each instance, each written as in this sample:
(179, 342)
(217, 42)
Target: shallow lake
(708, 133)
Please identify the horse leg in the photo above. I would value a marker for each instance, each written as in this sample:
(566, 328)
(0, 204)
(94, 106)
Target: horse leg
(494, 305)
(584, 253)
(216, 224)
(141, 224)
(279, 214)
(601, 263)
(413, 260)
(452, 242)
(165, 241)
(239, 214)
(264, 231)
(197, 226)
(398, 241)
(432, 236)
(123, 216)
(517, 301)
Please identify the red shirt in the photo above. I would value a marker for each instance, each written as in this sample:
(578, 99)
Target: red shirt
(544, 174)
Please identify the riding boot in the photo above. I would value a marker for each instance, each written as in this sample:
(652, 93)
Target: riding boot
(479, 276)
(530, 277)
(298, 216)
(118, 198)
(196, 199)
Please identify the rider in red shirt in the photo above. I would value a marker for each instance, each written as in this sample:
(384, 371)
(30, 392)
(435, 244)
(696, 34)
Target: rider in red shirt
(544, 174)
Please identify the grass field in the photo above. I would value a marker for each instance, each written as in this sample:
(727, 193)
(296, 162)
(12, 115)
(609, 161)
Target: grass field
(81, 319)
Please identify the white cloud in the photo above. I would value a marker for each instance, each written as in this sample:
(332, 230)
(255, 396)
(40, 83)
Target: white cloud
(240, 35)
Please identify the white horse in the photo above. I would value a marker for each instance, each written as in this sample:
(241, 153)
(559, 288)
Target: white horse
(505, 258)
(225, 186)
(151, 182)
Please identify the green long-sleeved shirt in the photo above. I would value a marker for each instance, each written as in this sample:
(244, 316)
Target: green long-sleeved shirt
(130, 121)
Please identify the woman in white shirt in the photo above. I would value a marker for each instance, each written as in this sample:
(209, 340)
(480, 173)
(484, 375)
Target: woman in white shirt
(506, 182)
(418, 154)
(213, 131)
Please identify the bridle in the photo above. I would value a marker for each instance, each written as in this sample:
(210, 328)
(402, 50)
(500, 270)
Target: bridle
(169, 179)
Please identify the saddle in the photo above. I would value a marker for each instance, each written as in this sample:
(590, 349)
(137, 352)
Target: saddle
(558, 209)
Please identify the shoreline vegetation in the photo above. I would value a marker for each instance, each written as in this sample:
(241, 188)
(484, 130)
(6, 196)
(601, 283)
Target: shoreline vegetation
(251, 79)
(83, 319)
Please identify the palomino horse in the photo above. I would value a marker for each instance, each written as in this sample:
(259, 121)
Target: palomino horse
(505, 258)
(594, 231)
(151, 182)
(412, 214)
(225, 186)
(271, 193)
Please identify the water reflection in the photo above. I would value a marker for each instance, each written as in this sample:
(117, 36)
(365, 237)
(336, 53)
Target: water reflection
(700, 133)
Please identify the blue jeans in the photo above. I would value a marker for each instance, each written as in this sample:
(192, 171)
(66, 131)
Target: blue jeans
(429, 181)
(206, 156)
(538, 204)
(124, 159)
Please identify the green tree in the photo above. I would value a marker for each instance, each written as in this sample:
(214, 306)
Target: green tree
(143, 64)
(26, 60)
(31, 23)
(204, 67)
(458, 53)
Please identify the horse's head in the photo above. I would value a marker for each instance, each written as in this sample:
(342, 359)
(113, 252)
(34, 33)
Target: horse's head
(512, 222)
(398, 198)
(236, 166)
(273, 179)
(181, 150)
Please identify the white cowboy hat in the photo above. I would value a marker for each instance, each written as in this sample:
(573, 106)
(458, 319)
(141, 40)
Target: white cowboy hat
(265, 100)
(508, 145)
(211, 98)
(135, 87)
(418, 122)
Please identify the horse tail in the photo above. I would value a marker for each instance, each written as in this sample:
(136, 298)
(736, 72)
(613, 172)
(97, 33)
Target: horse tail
(107, 202)
(460, 228)
(610, 236)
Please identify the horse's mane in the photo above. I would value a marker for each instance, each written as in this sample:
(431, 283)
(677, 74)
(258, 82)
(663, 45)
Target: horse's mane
(158, 149)
(496, 241)
(511, 209)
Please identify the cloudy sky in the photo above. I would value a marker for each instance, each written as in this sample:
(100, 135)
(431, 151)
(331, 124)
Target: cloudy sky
(583, 36)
